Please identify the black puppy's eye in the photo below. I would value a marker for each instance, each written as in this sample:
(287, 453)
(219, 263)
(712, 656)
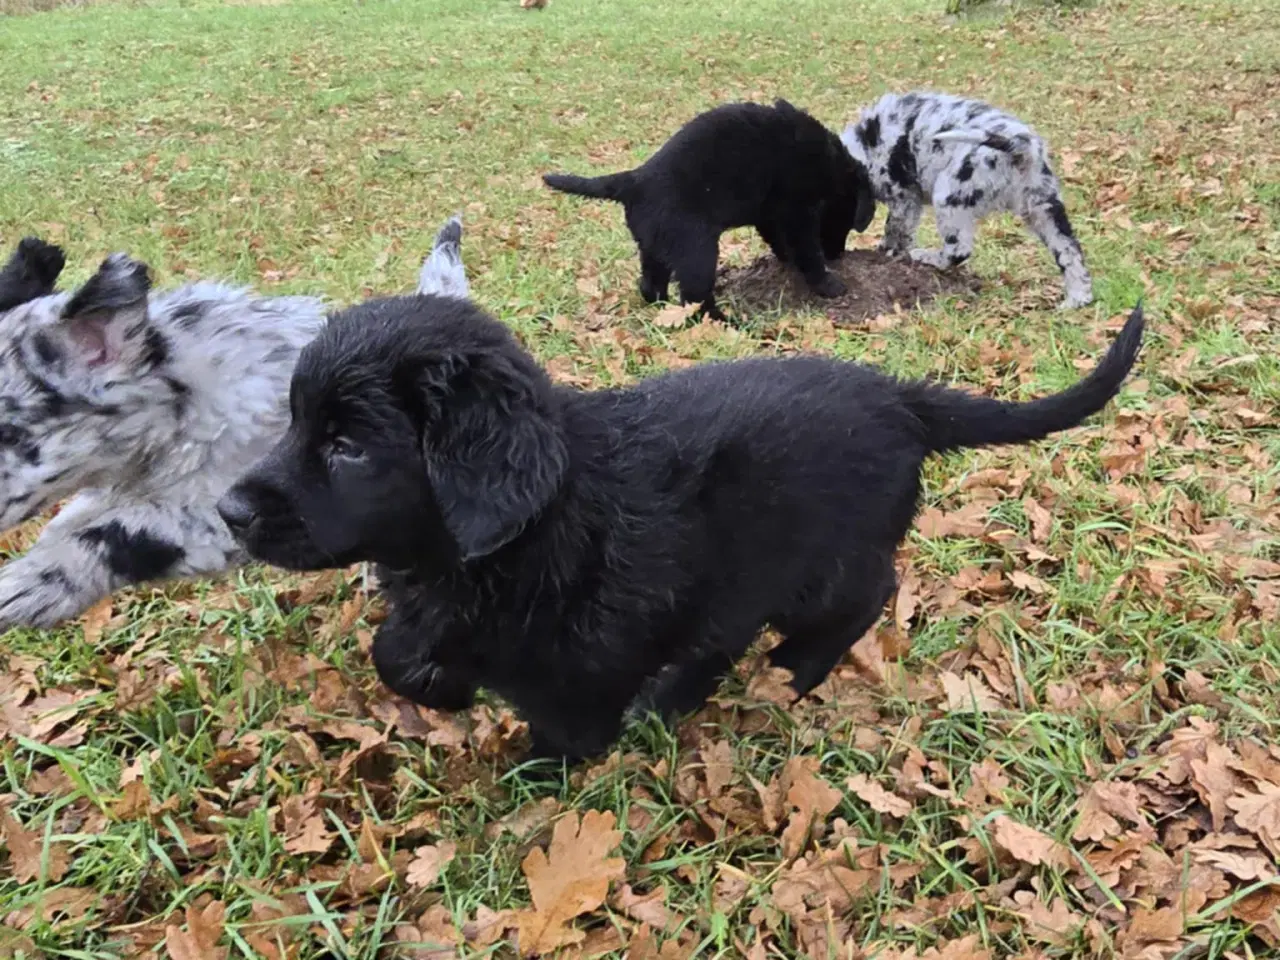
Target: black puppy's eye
(345, 449)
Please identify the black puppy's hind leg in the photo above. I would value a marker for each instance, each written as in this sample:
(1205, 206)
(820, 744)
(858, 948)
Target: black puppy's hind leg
(803, 232)
(655, 278)
(814, 645)
(695, 270)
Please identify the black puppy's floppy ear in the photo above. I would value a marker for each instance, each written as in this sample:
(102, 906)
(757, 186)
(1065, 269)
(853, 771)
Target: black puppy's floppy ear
(30, 273)
(864, 198)
(494, 452)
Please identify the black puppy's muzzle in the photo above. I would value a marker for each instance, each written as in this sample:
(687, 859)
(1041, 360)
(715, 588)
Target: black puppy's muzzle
(240, 514)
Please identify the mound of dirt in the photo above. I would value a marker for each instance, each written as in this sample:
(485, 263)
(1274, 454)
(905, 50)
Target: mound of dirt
(876, 282)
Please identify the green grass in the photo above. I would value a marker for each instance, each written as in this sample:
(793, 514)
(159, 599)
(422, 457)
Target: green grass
(316, 147)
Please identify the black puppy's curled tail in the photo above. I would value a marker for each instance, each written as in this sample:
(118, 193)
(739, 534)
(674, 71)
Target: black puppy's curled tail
(612, 186)
(953, 419)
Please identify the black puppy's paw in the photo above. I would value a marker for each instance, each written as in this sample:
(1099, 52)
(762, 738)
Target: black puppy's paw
(829, 286)
(650, 292)
(444, 690)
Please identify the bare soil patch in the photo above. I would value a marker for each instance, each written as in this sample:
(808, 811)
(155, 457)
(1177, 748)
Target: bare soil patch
(876, 282)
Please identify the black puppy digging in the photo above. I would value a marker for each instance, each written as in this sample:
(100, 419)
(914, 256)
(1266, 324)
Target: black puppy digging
(876, 282)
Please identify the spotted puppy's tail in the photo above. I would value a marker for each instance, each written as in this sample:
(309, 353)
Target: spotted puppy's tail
(442, 272)
(613, 186)
(1019, 146)
(953, 419)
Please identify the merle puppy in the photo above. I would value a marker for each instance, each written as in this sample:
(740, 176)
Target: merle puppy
(142, 407)
(742, 164)
(968, 160)
(563, 547)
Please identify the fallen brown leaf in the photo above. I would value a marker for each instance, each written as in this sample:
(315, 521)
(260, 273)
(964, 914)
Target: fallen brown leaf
(878, 798)
(571, 878)
(429, 862)
(27, 852)
(1028, 844)
(809, 797)
(204, 930)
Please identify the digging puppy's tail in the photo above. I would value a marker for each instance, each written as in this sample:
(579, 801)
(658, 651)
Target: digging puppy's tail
(612, 186)
(953, 419)
(442, 273)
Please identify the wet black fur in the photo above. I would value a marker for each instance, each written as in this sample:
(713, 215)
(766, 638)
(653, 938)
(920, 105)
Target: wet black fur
(30, 272)
(774, 168)
(561, 547)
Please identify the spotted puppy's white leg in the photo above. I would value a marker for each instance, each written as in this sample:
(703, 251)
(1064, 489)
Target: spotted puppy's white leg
(92, 549)
(1046, 217)
(443, 274)
(903, 221)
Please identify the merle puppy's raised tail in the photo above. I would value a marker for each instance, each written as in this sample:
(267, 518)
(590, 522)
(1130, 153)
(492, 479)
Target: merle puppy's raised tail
(953, 419)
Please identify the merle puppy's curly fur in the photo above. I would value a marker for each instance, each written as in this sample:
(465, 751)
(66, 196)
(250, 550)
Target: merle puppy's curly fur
(140, 408)
(565, 548)
(968, 160)
(740, 165)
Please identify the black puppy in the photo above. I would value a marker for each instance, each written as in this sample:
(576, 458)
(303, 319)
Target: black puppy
(740, 165)
(561, 547)
(30, 272)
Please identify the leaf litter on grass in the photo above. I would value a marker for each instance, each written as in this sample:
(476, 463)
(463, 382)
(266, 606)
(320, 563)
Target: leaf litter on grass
(1058, 742)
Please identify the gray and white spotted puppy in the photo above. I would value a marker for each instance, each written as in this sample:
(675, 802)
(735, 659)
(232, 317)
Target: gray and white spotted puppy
(967, 159)
(146, 407)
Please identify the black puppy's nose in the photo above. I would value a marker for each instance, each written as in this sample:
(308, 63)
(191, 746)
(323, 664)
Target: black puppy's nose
(236, 512)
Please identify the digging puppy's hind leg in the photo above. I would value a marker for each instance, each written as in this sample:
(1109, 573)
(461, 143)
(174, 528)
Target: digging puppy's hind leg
(655, 278)
(695, 271)
(816, 641)
(802, 232)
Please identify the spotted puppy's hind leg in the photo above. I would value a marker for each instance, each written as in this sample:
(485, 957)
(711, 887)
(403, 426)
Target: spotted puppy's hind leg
(90, 550)
(1046, 217)
(443, 274)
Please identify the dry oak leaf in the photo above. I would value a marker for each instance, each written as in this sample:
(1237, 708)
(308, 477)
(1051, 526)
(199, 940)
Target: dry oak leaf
(204, 930)
(717, 760)
(429, 862)
(1215, 781)
(644, 947)
(877, 797)
(1100, 805)
(1243, 866)
(1148, 926)
(649, 908)
(95, 621)
(1051, 923)
(313, 837)
(810, 799)
(571, 878)
(27, 849)
(968, 694)
(966, 948)
(1259, 812)
(1028, 844)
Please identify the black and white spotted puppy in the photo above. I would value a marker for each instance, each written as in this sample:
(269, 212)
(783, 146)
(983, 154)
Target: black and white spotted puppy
(144, 408)
(967, 159)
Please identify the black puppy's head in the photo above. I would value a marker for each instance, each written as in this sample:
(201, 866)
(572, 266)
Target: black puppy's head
(850, 205)
(422, 436)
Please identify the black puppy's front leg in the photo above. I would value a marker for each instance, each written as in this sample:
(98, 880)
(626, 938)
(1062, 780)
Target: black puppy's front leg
(402, 657)
(805, 240)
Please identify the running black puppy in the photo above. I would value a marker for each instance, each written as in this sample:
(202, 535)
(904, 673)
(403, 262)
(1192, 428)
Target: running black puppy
(562, 547)
(740, 165)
